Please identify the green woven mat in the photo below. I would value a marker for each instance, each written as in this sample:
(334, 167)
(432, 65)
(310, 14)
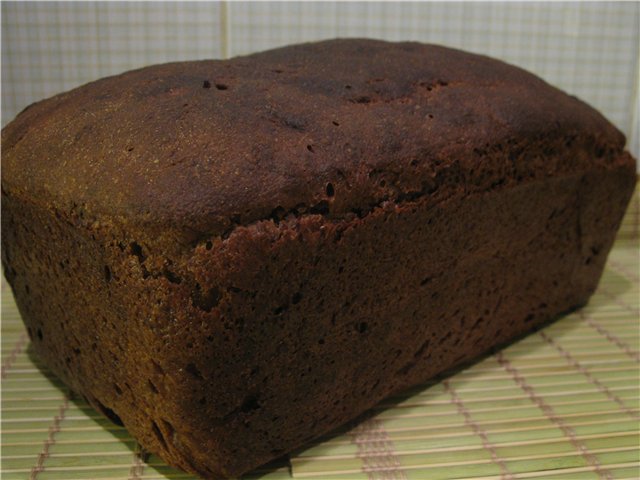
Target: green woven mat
(561, 403)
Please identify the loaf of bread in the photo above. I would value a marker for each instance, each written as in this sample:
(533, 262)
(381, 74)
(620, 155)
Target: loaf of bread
(232, 258)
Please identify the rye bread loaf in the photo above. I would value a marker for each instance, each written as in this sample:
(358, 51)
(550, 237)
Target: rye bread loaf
(234, 257)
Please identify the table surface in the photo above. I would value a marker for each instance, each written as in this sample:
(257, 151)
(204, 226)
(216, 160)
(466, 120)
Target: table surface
(561, 403)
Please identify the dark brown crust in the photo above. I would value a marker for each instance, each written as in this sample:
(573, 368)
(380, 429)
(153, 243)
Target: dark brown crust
(221, 341)
(165, 145)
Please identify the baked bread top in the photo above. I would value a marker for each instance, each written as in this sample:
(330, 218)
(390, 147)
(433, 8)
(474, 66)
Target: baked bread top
(334, 128)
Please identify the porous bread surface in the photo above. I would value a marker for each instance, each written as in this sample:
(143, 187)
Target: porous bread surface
(207, 145)
(233, 258)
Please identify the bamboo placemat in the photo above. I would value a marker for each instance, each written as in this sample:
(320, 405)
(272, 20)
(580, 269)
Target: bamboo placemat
(563, 403)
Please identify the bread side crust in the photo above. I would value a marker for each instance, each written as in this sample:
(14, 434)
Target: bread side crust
(251, 345)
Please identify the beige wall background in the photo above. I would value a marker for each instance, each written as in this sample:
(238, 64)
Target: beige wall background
(590, 49)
